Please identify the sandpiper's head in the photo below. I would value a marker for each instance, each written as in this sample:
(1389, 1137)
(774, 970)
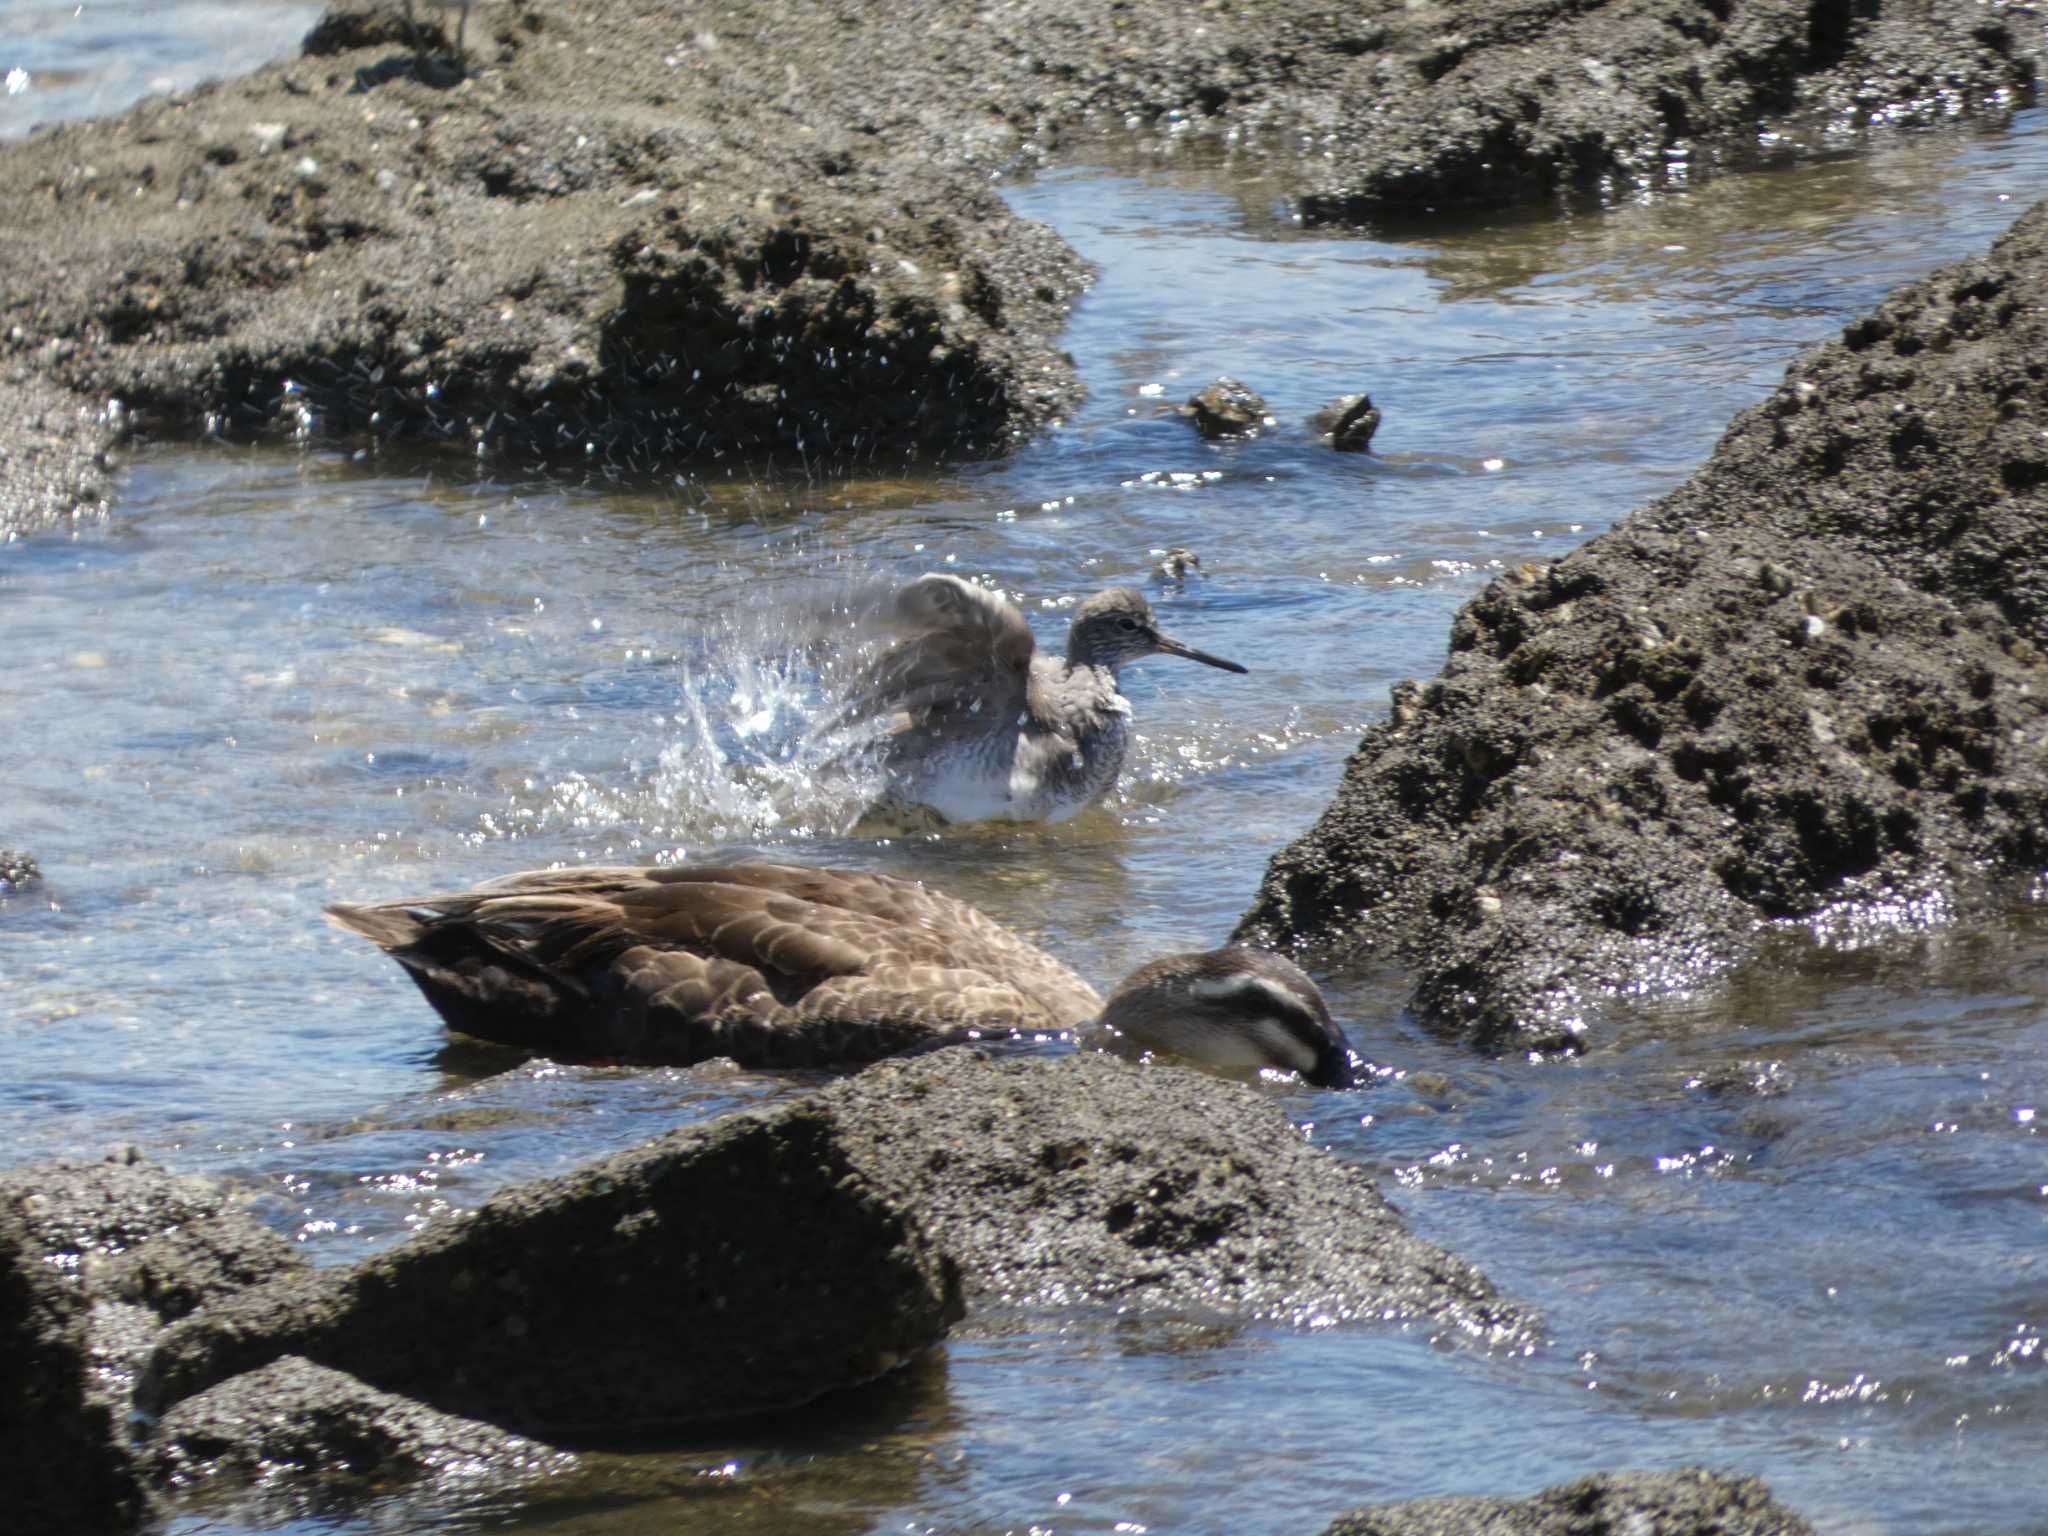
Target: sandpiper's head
(1114, 628)
(1235, 1008)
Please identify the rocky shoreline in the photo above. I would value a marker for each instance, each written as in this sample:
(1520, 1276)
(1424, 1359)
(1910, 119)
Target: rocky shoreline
(739, 1268)
(626, 246)
(1812, 677)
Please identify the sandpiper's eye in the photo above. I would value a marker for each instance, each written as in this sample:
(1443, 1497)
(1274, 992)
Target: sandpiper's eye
(1128, 624)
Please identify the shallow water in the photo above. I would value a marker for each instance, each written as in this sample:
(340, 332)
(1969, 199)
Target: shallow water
(81, 58)
(1790, 1228)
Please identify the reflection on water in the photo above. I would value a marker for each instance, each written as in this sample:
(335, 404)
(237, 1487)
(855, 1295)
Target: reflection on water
(1785, 1227)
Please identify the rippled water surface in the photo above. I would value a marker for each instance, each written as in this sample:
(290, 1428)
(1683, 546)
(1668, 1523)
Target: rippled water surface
(1790, 1229)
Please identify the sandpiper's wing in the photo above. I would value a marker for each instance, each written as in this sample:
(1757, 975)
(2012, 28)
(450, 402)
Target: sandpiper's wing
(957, 647)
(770, 964)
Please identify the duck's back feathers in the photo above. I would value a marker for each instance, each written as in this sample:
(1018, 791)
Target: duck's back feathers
(773, 965)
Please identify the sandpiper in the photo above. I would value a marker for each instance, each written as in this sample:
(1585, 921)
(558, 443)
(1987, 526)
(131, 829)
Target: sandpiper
(984, 728)
(778, 965)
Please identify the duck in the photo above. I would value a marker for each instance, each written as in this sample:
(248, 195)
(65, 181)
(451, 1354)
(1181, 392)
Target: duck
(787, 966)
(979, 724)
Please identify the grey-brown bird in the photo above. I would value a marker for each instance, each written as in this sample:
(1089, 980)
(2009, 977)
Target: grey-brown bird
(778, 965)
(982, 727)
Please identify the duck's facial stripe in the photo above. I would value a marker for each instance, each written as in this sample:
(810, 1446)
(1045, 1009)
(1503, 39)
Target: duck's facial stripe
(1247, 990)
(1268, 1011)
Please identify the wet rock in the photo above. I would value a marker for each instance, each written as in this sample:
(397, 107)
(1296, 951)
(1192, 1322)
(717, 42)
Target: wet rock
(65, 1461)
(129, 1230)
(1811, 678)
(138, 1246)
(1176, 564)
(1226, 409)
(1349, 422)
(16, 869)
(720, 1271)
(293, 1416)
(611, 242)
(1089, 1179)
(177, 1271)
(1691, 1501)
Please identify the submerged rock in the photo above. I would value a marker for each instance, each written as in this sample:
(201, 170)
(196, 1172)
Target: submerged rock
(293, 1416)
(1226, 409)
(16, 869)
(1688, 1502)
(1089, 1179)
(720, 1271)
(1349, 422)
(1811, 677)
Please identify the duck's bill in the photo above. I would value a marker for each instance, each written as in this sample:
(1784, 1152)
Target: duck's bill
(1332, 1068)
(1173, 647)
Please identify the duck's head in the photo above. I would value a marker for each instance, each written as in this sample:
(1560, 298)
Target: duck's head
(1117, 627)
(1235, 1008)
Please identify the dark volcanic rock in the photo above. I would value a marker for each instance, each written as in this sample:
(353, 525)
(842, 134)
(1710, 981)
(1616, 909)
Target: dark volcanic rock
(1226, 409)
(1485, 103)
(64, 1457)
(1090, 1179)
(297, 1416)
(1688, 1502)
(719, 1271)
(621, 241)
(1349, 422)
(16, 869)
(131, 1231)
(630, 240)
(109, 1251)
(1811, 676)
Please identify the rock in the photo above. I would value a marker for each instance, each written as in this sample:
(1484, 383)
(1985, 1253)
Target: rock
(609, 243)
(131, 1231)
(177, 1271)
(1089, 1179)
(725, 1270)
(1812, 678)
(109, 1250)
(1688, 1502)
(1226, 409)
(16, 869)
(293, 1416)
(1176, 563)
(1349, 422)
(610, 246)
(65, 1461)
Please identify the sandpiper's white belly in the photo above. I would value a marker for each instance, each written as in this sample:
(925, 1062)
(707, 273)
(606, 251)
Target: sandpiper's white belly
(1024, 776)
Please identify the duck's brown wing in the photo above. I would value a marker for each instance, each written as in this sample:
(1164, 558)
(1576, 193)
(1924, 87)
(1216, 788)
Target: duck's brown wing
(769, 964)
(955, 645)
(915, 925)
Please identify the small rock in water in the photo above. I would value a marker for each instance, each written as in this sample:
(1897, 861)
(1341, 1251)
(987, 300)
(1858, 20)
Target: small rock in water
(1349, 422)
(1176, 563)
(16, 870)
(1227, 409)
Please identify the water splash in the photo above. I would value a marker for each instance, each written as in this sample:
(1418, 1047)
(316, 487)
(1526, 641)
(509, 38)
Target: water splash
(751, 747)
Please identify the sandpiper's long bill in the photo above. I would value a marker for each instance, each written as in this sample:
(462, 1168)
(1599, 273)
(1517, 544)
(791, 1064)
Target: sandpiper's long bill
(981, 726)
(777, 965)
